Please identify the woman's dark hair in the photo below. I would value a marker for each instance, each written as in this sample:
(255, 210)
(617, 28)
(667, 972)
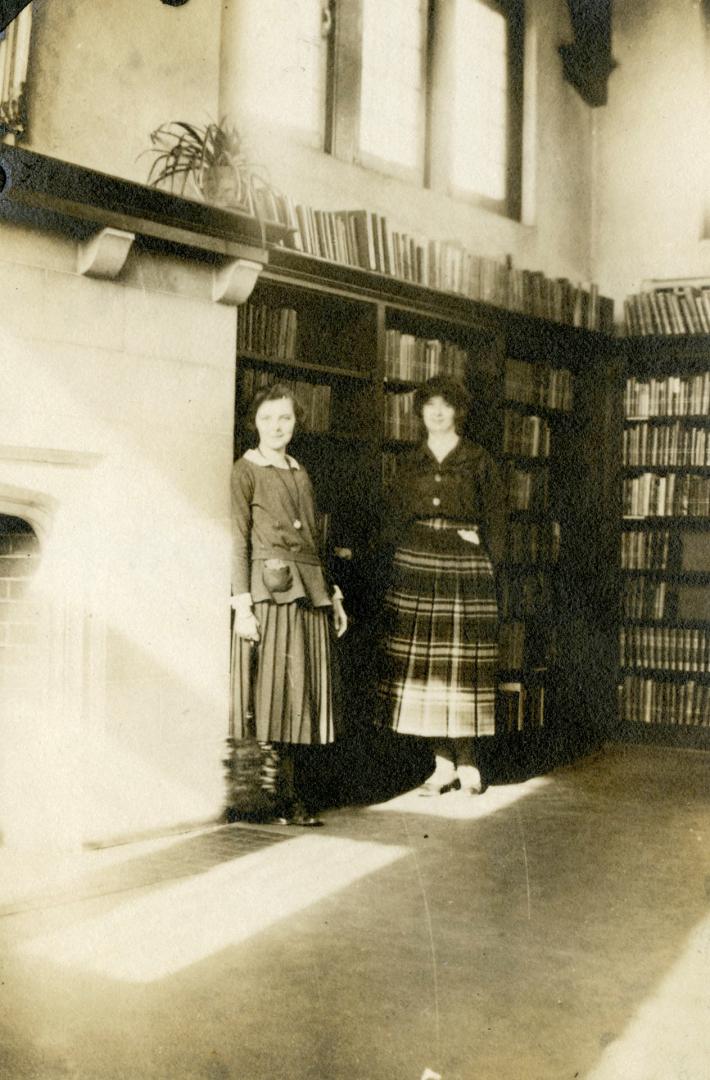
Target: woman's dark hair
(274, 392)
(453, 393)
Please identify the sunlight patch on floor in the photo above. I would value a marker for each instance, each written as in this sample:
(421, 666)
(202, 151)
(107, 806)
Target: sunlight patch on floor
(458, 806)
(668, 1038)
(159, 934)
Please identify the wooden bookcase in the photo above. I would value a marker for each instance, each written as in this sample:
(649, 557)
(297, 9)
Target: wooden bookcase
(664, 641)
(360, 338)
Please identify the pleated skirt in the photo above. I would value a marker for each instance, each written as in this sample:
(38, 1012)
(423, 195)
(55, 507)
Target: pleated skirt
(439, 652)
(286, 688)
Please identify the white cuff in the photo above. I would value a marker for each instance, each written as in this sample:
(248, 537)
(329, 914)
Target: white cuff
(242, 604)
(337, 594)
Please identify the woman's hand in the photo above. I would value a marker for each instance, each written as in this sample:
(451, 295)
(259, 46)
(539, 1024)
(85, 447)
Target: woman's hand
(246, 626)
(340, 619)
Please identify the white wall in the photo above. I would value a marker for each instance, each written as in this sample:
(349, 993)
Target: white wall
(138, 377)
(651, 178)
(103, 75)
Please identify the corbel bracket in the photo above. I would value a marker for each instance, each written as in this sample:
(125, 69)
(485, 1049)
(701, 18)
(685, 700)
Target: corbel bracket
(234, 282)
(105, 253)
(587, 62)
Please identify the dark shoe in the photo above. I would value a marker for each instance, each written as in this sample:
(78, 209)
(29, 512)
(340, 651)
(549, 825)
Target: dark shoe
(298, 815)
(431, 788)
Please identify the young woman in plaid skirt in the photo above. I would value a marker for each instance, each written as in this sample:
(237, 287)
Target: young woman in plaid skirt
(446, 519)
(283, 606)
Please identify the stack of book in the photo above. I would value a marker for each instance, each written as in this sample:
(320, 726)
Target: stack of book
(525, 595)
(675, 395)
(530, 542)
(511, 645)
(666, 444)
(366, 239)
(672, 648)
(267, 330)
(314, 398)
(400, 419)
(669, 309)
(645, 550)
(666, 495)
(535, 384)
(528, 490)
(643, 599)
(650, 701)
(525, 436)
(413, 359)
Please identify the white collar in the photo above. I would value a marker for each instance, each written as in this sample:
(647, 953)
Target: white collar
(257, 459)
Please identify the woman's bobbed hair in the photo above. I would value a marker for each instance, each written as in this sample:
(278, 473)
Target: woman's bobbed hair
(274, 392)
(453, 393)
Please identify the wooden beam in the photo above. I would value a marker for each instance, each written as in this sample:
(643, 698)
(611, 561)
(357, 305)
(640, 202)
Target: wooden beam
(587, 62)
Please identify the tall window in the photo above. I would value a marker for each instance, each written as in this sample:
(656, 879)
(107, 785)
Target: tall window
(479, 150)
(432, 91)
(283, 69)
(393, 82)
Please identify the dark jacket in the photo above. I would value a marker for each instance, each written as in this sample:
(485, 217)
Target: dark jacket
(466, 486)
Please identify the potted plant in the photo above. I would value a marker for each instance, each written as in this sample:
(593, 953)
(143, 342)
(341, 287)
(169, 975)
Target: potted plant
(208, 161)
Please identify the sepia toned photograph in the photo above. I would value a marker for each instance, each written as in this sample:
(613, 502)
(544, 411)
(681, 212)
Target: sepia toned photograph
(354, 539)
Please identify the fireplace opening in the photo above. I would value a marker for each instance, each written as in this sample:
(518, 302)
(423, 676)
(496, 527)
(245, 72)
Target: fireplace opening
(20, 644)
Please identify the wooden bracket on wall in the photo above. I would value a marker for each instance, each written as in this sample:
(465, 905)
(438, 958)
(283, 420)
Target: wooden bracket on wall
(587, 62)
(104, 254)
(234, 282)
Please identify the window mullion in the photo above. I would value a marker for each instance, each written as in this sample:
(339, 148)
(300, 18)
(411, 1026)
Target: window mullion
(345, 80)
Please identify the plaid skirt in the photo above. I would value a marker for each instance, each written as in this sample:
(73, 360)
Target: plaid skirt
(440, 645)
(286, 688)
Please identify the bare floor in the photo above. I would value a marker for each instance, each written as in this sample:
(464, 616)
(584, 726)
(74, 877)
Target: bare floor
(549, 930)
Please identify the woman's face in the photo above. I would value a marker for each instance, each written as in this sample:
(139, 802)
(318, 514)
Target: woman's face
(275, 421)
(439, 417)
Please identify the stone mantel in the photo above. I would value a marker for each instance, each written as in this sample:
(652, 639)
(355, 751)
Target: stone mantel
(104, 214)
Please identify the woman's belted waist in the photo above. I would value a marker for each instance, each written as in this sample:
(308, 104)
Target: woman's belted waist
(446, 523)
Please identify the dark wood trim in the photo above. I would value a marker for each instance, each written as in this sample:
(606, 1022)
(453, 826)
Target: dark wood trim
(46, 192)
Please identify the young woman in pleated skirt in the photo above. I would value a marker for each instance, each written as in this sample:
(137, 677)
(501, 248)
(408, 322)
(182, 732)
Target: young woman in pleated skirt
(285, 683)
(445, 517)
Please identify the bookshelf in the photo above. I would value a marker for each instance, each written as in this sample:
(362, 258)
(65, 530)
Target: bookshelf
(664, 636)
(357, 342)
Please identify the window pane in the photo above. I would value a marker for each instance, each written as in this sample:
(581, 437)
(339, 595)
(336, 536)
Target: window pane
(391, 102)
(285, 81)
(480, 135)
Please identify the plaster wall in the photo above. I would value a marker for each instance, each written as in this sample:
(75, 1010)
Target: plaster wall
(116, 404)
(651, 175)
(103, 76)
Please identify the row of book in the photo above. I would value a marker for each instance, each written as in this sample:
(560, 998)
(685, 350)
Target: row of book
(673, 648)
(654, 495)
(314, 398)
(416, 359)
(525, 436)
(645, 550)
(400, 420)
(675, 395)
(367, 240)
(681, 309)
(536, 384)
(532, 542)
(650, 701)
(267, 330)
(529, 490)
(644, 599)
(667, 444)
(524, 596)
(511, 645)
